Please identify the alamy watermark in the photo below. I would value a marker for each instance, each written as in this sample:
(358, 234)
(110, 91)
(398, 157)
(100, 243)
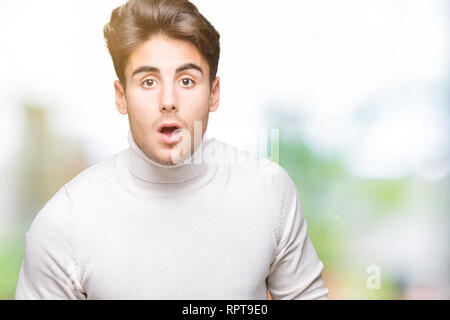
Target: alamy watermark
(373, 281)
(222, 154)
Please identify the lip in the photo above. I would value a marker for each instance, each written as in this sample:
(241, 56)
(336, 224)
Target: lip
(168, 124)
(174, 138)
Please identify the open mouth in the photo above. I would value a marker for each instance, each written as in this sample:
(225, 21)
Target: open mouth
(168, 130)
(167, 134)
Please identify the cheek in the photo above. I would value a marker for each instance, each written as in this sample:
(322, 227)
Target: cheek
(196, 109)
(197, 102)
(142, 106)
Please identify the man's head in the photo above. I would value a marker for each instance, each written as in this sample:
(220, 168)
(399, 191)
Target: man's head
(165, 54)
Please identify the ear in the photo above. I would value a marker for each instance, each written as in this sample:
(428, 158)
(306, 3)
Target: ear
(121, 101)
(215, 95)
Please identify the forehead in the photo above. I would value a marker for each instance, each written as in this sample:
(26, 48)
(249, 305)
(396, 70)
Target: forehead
(165, 53)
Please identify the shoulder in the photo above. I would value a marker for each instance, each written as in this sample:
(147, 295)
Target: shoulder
(220, 152)
(280, 178)
(88, 183)
(51, 228)
(250, 167)
(54, 219)
(96, 178)
(53, 214)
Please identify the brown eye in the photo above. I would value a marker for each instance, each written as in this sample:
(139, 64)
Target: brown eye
(187, 82)
(149, 83)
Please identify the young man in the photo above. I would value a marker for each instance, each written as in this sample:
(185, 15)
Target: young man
(174, 216)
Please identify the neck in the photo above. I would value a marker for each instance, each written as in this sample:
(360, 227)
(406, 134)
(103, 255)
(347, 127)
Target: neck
(146, 169)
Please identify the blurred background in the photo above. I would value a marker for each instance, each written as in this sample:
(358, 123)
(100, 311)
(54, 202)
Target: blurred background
(359, 91)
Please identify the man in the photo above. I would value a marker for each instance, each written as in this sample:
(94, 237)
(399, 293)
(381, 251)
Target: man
(174, 216)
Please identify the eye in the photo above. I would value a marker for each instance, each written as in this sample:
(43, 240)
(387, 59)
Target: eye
(187, 82)
(149, 83)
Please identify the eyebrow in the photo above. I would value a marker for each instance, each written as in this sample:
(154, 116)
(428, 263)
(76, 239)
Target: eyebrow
(184, 67)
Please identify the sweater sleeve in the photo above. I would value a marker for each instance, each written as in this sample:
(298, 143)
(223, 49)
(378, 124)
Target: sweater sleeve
(49, 268)
(295, 272)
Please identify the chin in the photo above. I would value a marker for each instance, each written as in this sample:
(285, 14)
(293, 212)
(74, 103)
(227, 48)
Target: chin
(165, 158)
(166, 162)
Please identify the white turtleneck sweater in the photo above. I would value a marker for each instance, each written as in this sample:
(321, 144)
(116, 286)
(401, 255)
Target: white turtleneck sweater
(229, 227)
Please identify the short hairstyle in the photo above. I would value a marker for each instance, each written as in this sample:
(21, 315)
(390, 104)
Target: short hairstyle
(138, 20)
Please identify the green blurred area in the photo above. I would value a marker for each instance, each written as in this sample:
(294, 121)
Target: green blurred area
(339, 207)
(45, 162)
(11, 255)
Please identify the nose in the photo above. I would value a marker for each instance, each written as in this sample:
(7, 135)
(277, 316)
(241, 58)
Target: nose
(168, 99)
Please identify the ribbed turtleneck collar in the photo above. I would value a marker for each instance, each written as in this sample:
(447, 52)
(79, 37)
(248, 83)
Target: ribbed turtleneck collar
(146, 169)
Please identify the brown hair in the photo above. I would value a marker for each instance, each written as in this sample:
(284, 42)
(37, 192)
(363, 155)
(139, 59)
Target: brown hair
(138, 20)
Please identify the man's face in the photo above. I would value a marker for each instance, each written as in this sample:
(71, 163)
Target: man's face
(167, 82)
